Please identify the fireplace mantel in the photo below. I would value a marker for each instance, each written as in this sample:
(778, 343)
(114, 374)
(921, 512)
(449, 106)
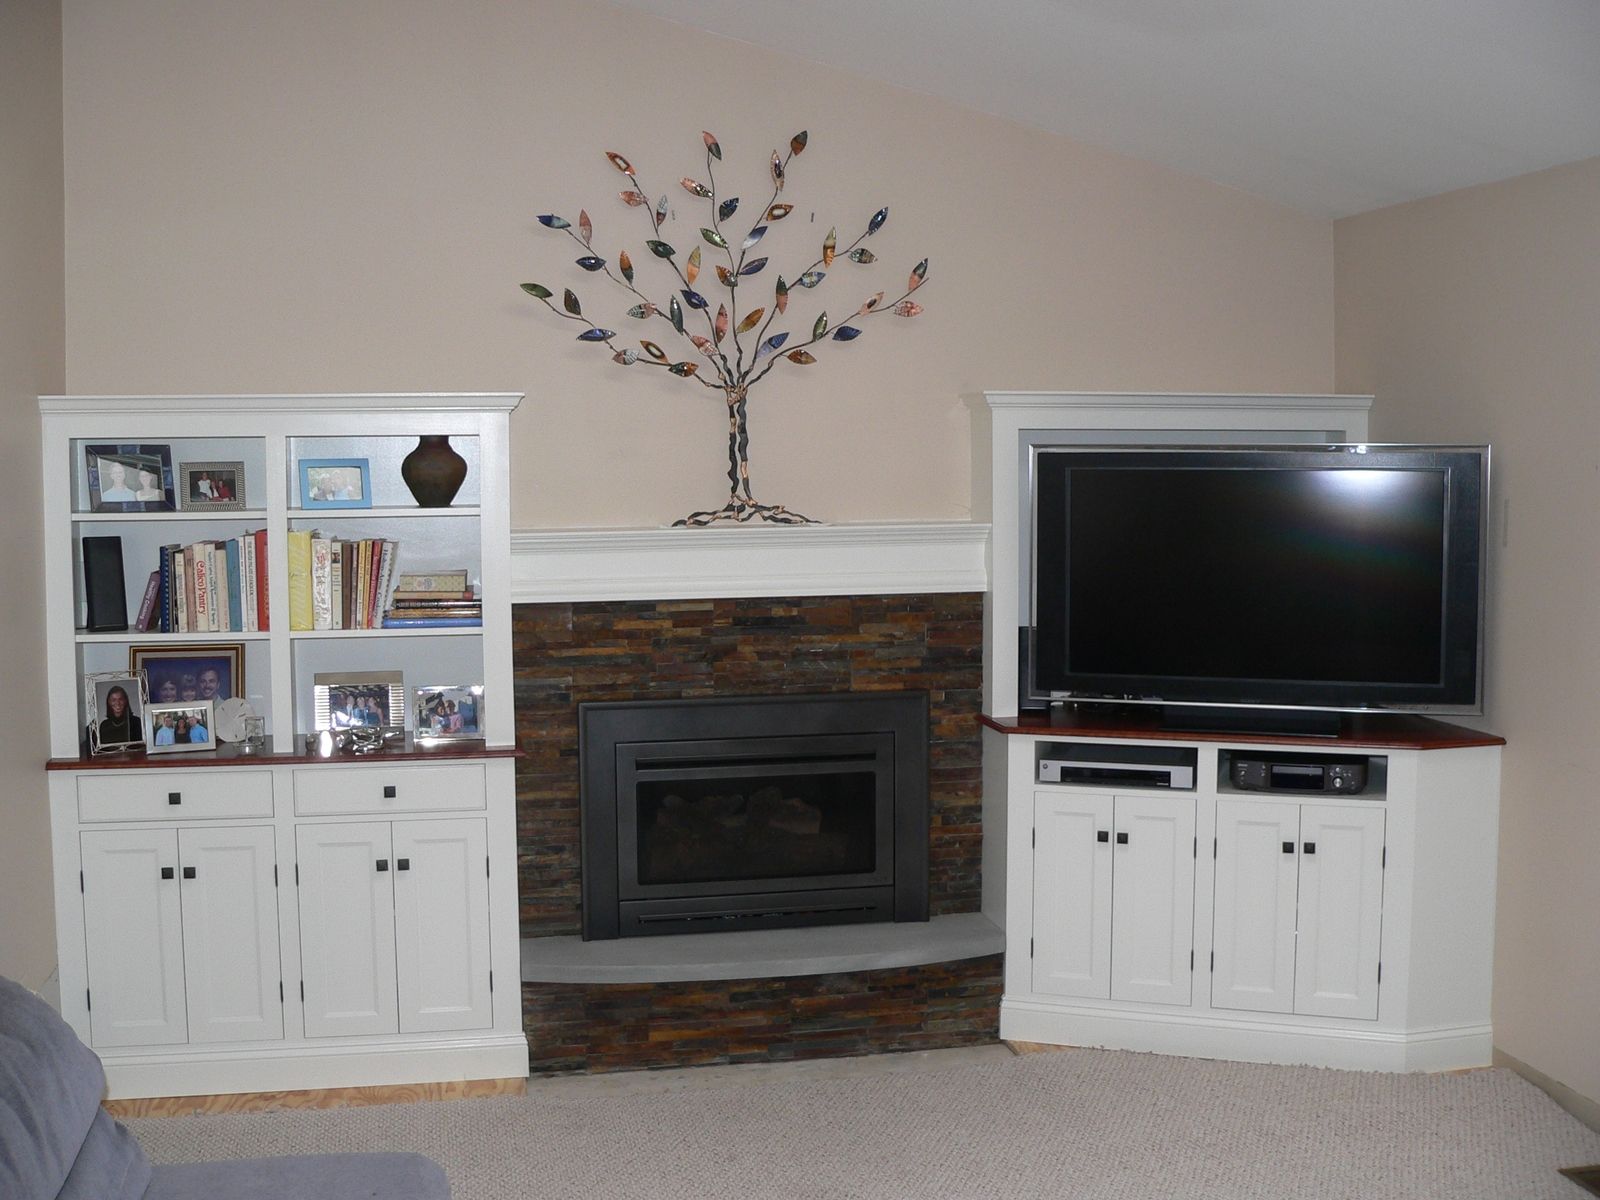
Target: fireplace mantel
(862, 559)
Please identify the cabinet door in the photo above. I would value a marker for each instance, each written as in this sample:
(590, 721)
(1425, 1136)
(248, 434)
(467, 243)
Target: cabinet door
(133, 937)
(1341, 911)
(1152, 899)
(1254, 924)
(347, 928)
(1072, 894)
(230, 934)
(441, 910)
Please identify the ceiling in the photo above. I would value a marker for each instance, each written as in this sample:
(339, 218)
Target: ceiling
(1331, 106)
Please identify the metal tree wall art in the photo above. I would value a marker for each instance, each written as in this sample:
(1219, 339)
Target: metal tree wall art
(739, 341)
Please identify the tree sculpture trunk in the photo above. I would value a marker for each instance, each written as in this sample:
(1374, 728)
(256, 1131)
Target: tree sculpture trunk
(742, 505)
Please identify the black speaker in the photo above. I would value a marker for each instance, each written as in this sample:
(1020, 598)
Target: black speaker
(103, 590)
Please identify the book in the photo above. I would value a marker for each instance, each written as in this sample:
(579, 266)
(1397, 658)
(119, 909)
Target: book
(321, 583)
(148, 617)
(300, 607)
(165, 601)
(185, 585)
(431, 583)
(247, 582)
(390, 622)
(335, 584)
(235, 593)
(261, 579)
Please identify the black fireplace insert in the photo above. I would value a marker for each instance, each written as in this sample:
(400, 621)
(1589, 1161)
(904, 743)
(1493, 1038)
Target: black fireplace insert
(753, 812)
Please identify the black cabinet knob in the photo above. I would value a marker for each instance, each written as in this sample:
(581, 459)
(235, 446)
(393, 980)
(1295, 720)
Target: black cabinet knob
(166, 872)
(383, 864)
(174, 797)
(1288, 847)
(389, 791)
(1122, 839)
(1310, 847)
(1102, 836)
(188, 872)
(402, 864)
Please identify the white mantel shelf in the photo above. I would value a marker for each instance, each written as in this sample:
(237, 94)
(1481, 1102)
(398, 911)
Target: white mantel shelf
(888, 558)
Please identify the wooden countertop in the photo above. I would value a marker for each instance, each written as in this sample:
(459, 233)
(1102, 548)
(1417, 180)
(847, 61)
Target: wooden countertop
(1393, 731)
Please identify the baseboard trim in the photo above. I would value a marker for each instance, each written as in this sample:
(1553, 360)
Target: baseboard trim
(354, 1097)
(1576, 1103)
(1245, 1040)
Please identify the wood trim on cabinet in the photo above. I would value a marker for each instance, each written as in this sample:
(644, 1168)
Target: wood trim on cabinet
(1391, 731)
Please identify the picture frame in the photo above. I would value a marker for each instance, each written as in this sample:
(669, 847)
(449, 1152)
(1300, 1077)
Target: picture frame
(211, 486)
(335, 483)
(359, 699)
(112, 732)
(448, 712)
(130, 477)
(176, 674)
(173, 727)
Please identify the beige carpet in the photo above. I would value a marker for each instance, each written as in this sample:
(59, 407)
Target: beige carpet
(1095, 1124)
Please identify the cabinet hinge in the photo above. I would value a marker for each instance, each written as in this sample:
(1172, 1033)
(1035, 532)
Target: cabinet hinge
(486, 866)
(302, 991)
(491, 981)
(280, 991)
(1213, 847)
(275, 884)
(1030, 947)
(1380, 972)
(1383, 863)
(80, 882)
(1196, 853)
(88, 998)
(297, 874)
(1033, 838)
(1213, 960)
(1191, 960)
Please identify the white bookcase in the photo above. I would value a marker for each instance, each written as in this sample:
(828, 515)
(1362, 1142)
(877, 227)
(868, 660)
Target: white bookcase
(283, 919)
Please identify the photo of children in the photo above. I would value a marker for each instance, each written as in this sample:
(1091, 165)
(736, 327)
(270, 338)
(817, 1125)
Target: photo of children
(450, 711)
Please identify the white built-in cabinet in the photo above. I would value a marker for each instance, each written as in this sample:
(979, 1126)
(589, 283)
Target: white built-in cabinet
(287, 919)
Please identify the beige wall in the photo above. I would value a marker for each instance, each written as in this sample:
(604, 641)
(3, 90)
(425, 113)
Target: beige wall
(293, 195)
(1475, 316)
(31, 362)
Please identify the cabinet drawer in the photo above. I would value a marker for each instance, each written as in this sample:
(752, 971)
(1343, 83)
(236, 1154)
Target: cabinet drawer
(320, 791)
(174, 796)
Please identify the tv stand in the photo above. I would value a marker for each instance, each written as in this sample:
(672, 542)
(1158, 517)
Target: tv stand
(1200, 718)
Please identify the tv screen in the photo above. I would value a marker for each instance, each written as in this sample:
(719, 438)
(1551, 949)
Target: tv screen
(1324, 578)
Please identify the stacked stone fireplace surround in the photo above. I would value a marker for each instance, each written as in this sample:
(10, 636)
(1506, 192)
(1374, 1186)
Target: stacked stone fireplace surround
(568, 653)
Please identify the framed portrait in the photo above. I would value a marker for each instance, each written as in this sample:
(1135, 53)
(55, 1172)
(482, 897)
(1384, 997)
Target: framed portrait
(210, 486)
(130, 478)
(186, 674)
(447, 712)
(187, 725)
(334, 483)
(115, 704)
(359, 699)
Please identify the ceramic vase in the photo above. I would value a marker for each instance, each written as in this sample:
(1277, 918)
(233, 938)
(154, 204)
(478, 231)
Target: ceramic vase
(434, 471)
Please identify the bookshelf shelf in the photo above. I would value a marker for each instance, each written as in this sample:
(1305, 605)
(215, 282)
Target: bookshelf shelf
(388, 512)
(331, 635)
(176, 639)
(238, 514)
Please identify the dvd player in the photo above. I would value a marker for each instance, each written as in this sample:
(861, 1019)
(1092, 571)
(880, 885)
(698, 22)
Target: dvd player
(1143, 766)
(1283, 772)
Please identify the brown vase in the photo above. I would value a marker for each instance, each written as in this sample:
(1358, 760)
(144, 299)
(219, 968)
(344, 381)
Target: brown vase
(434, 471)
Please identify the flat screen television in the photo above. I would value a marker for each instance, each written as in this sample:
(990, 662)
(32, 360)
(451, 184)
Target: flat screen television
(1268, 579)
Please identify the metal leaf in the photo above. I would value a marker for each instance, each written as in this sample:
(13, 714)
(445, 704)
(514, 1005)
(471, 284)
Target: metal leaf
(692, 267)
(551, 221)
(684, 369)
(820, 328)
(777, 170)
(720, 326)
(798, 142)
(711, 145)
(538, 291)
(811, 278)
(727, 277)
(643, 311)
(878, 218)
(695, 188)
(626, 357)
(771, 344)
(660, 249)
(751, 267)
(715, 238)
(727, 208)
(907, 308)
(570, 302)
(693, 298)
(802, 357)
(779, 211)
(829, 247)
(596, 335)
(620, 163)
(675, 313)
(661, 211)
(590, 263)
(846, 333)
(585, 228)
(752, 320)
(918, 274)
(782, 301)
(703, 344)
(862, 255)
(625, 265)
(871, 303)
(654, 351)
(754, 236)
(632, 199)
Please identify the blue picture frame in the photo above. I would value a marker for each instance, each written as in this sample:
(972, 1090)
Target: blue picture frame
(335, 483)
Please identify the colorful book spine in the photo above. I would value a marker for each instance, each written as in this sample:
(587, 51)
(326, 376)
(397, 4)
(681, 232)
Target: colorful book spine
(147, 605)
(235, 586)
(321, 583)
(300, 607)
(166, 589)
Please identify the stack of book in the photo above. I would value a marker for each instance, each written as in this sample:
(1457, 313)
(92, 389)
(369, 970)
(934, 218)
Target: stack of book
(438, 599)
(338, 584)
(208, 587)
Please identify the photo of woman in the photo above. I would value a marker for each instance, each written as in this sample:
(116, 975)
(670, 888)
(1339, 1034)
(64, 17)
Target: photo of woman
(115, 711)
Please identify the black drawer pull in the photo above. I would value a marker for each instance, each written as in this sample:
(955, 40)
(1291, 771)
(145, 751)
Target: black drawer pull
(388, 791)
(1102, 836)
(383, 864)
(188, 872)
(174, 797)
(1122, 839)
(166, 872)
(402, 864)
(1311, 847)
(1288, 847)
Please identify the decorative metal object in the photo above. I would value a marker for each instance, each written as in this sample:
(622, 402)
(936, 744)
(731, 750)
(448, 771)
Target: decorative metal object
(736, 351)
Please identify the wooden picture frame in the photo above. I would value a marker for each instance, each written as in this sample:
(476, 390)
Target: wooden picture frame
(216, 670)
